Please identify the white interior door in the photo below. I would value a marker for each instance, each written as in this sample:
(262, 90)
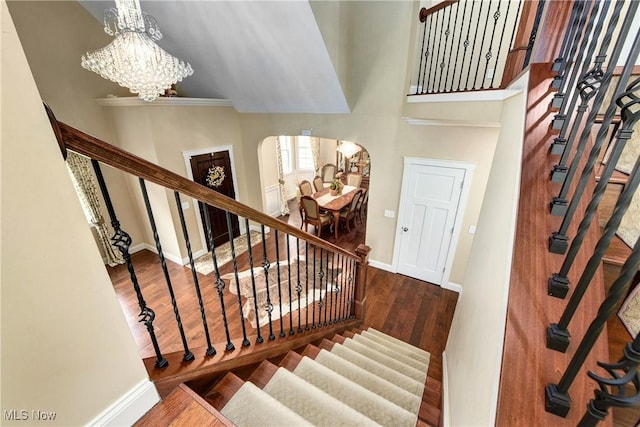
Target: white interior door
(428, 214)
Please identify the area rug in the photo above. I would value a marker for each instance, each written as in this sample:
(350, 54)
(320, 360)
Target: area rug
(280, 300)
(204, 264)
(629, 229)
(629, 313)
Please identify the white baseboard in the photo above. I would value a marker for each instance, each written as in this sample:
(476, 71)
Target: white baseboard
(170, 257)
(445, 391)
(196, 255)
(130, 407)
(382, 266)
(452, 287)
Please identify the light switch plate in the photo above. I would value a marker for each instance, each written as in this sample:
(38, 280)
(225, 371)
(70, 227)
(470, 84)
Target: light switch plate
(389, 214)
(185, 206)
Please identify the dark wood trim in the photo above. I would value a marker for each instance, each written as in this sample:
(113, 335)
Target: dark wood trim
(56, 130)
(515, 58)
(101, 151)
(361, 281)
(424, 12)
(634, 72)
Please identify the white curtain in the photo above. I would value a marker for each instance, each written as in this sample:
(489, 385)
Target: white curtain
(81, 173)
(284, 207)
(315, 154)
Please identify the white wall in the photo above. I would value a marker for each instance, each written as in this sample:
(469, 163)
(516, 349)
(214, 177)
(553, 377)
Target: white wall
(474, 348)
(66, 347)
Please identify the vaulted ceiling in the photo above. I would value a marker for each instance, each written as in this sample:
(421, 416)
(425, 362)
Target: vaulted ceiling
(263, 56)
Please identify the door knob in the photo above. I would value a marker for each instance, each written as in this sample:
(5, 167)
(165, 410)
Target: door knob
(405, 229)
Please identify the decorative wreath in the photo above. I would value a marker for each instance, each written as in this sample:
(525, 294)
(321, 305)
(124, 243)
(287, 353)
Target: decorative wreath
(215, 176)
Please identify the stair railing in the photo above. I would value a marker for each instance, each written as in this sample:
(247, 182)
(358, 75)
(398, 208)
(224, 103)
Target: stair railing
(590, 90)
(465, 44)
(326, 290)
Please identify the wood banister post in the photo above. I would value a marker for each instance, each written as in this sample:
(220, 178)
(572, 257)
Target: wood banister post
(361, 280)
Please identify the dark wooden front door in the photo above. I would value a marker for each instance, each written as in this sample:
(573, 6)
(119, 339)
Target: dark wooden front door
(201, 166)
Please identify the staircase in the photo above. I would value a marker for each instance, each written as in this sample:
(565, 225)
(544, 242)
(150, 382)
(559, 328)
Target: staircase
(359, 378)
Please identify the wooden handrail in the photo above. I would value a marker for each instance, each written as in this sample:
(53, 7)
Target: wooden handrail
(424, 12)
(70, 138)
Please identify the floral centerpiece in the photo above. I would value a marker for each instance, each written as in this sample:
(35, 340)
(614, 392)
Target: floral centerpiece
(336, 186)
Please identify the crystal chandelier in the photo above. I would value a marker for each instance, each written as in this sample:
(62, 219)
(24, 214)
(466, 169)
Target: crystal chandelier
(133, 59)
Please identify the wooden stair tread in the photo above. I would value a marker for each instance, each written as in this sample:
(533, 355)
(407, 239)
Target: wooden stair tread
(263, 373)
(311, 351)
(429, 414)
(617, 177)
(432, 393)
(325, 344)
(183, 407)
(617, 253)
(339, 339)
(223, 390)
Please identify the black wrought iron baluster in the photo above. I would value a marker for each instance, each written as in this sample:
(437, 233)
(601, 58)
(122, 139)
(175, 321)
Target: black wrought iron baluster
(428, 54)
(122, 240)
(534, 33)
(461, 30)
(210, 349)
(290, 291)
(332, 270)
(435, 58)
(562, 145)
(504, 27)
(623, 374)
(259, 338)
(557, 399)
(306, 265)
(321, 302)
(515, 27)
(336, 287)
(445, 57)
(473, 47)
(188, 355)
(327, 294)
(352, 289)
(484, 33)
(234, 260)
(266, 265)
(559, 282)
(560, 81)
(448, 87)
(558, 241)
(558, 336)
(299, 285)
(315, 288)
(466, 45)
(423, 19)
(344, 290)
(559, 62)
(218, 283)
(282, 334)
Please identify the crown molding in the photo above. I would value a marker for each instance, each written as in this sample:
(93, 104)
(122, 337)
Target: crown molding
(134, 101)
(457, 123)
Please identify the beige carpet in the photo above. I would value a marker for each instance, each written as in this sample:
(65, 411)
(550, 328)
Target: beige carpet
(204, 264)
(331, 391)
(280, 308)
(629, 313)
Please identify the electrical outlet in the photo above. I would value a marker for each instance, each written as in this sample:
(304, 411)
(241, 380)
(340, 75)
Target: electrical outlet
(389, 214)
(185, 206)
(472, 229)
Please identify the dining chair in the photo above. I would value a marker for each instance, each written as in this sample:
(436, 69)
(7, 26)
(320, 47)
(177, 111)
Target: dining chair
(361, 208)
(305, 188)
(354, 179)
(318, 183)
(328, 172)
(312, 214)
(349, 213)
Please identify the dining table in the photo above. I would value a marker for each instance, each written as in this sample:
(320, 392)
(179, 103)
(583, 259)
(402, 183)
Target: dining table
(333, 204)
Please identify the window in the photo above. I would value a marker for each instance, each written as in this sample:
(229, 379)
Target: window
(305, 158)
(285, 151)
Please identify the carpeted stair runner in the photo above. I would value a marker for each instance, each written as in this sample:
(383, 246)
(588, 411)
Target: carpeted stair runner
(370, 379)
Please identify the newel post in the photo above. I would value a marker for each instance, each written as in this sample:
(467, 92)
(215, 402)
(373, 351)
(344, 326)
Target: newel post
(361, 280)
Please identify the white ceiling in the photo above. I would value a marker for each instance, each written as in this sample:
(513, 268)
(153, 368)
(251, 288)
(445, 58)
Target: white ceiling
(264, 56)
